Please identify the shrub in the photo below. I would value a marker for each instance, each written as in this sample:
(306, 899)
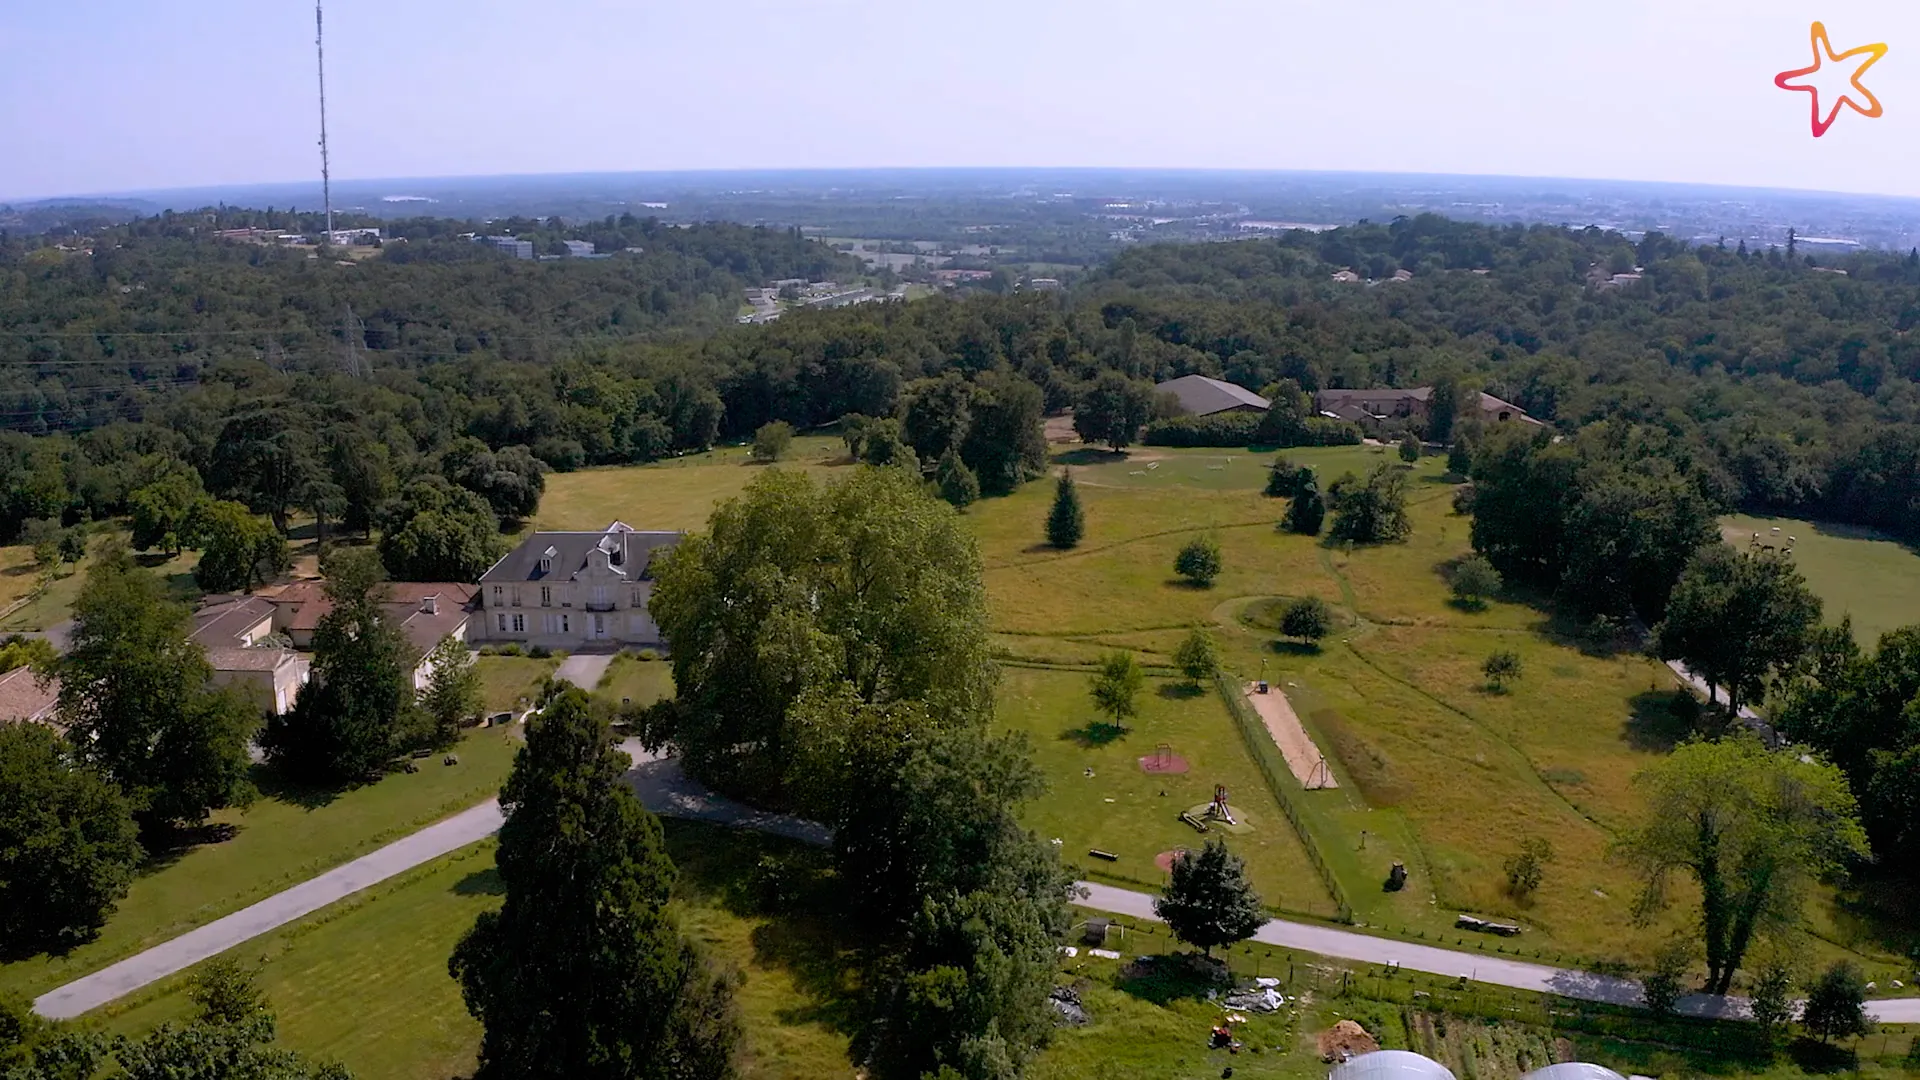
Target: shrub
(1527, 867)
(1326, 431)
(539, 652)
(1218, 430)
(1409, 449)
(511, 648)
(958, 485)
(1501, 668)
(1199, 561)
(1668, 979)
(1474, 580)
(648, 654)
(1283, 479)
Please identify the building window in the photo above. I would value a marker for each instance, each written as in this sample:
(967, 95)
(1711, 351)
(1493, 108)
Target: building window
(546, 596)
(639, 598)
(519, 624)
(516, 596)
(499, 596)
(564, 627)
(503, 624)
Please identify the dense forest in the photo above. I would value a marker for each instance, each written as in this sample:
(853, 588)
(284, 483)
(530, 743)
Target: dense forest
(1771, 383)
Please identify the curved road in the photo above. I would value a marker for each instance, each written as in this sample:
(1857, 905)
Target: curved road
(667, 791)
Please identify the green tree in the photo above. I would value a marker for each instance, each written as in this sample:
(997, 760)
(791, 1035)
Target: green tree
(223, 992)
(1283, 479)
(452, 694)
(1443, 408)
(1116, 687)
(772, 441)
(1113, 410)
(1751, 827)
(868, 580)
(1473, 581)
(1662, 987)
(135, 698)
(1734, 618)
(1374, 512)
(1307, 511)
(265, 456)
(511, 480)
(583, 972)
(1198, 656)
(1199, 561)
(1307, 618)
(957, 483)
(237, 549)
(1285, 421)
(1410, 448)
(230, 1037)
(1527, 868)
(1836, 1005)
(357, 710)
(163, 510)
(1501, 668)
(436, 531)
(1771, 1001)
(1066, 523)
(1208, 901)
(67, 845)
(1460, 458)
(883, 445)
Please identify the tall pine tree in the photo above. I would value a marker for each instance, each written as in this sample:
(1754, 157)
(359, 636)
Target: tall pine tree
(583, 974)
(357, 711)
(1065, 523)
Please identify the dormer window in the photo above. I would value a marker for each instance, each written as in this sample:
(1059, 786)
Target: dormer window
(546, 565)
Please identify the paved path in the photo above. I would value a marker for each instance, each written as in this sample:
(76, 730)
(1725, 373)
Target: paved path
(667, 791)
(583, 669)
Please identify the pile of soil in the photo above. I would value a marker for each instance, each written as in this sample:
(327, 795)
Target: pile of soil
(1344, 1040)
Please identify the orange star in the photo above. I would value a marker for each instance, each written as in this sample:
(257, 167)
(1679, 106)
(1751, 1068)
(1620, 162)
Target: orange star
(1822, 47)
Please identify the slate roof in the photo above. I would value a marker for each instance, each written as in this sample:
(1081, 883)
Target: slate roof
(220, 622)
(635, 551)
(1201, 396)
(25, 697)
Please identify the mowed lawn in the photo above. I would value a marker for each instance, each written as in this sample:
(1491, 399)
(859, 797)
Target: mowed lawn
(1856, 572)
(675, 494)
(364, 982)
(506, 682)
(1124, 810)
(632, 679)
(277, 842)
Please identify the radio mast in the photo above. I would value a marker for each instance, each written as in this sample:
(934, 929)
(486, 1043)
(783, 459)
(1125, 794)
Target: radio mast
(326, 179)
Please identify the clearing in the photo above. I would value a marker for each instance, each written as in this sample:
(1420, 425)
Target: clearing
(1871, 577)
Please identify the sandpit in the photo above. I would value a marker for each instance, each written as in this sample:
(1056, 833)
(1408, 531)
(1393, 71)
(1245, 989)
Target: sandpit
(1304, 759)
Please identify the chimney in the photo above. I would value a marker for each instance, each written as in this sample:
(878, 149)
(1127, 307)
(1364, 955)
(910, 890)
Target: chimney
(431, 604)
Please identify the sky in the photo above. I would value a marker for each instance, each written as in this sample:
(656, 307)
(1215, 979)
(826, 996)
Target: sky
(101, 96)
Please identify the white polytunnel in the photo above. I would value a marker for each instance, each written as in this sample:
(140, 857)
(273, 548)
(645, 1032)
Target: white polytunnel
(1390, 1065)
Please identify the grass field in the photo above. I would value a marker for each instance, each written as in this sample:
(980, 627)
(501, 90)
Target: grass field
(18, 576)
(507, 681)
(674, 494)
(1857, 573)
(1123, 810)
(282, 839)
(385, 951)
(630, 678)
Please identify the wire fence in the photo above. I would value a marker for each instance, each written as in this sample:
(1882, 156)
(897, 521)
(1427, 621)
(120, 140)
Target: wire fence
(1260, 746)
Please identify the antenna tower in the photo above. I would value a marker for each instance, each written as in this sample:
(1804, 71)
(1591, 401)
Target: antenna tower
(326, 179)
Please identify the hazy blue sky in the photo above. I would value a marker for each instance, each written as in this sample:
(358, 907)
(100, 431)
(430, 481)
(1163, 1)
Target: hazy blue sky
(113, 95)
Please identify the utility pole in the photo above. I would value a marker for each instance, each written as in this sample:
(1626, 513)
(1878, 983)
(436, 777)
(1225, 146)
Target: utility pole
(326, 179)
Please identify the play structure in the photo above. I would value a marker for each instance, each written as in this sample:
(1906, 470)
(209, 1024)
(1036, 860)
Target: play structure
(1218, 810)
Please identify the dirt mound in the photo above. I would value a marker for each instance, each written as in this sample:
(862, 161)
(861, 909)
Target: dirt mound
(1346, 1039)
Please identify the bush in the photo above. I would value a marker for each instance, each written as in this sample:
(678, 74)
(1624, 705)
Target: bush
(1218, 430)
(1501, 668)
(539, 652)
(648, 654)
(1283, 479)
(958, 485)
(1409, 449)
(1667, 981)
(511, 648)
(1326, 431)
(1199, 561)
(1474, 580)
(772, 441)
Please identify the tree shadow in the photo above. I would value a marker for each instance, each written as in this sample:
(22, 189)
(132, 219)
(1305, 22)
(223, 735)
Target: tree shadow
(168, 845)
(1167, 978)
(271, 784)
(822, 970)
(150, 559)
(1089, 455)
(1660, 721)
(1188, 585)
(1180, 691)
(1295, 648)
(1096, 734)
(481, 883)
(1814, 1056)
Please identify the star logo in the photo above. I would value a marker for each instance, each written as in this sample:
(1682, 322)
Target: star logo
(1862, 58)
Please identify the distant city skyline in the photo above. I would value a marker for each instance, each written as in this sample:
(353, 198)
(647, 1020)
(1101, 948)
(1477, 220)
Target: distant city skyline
(112, 96)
